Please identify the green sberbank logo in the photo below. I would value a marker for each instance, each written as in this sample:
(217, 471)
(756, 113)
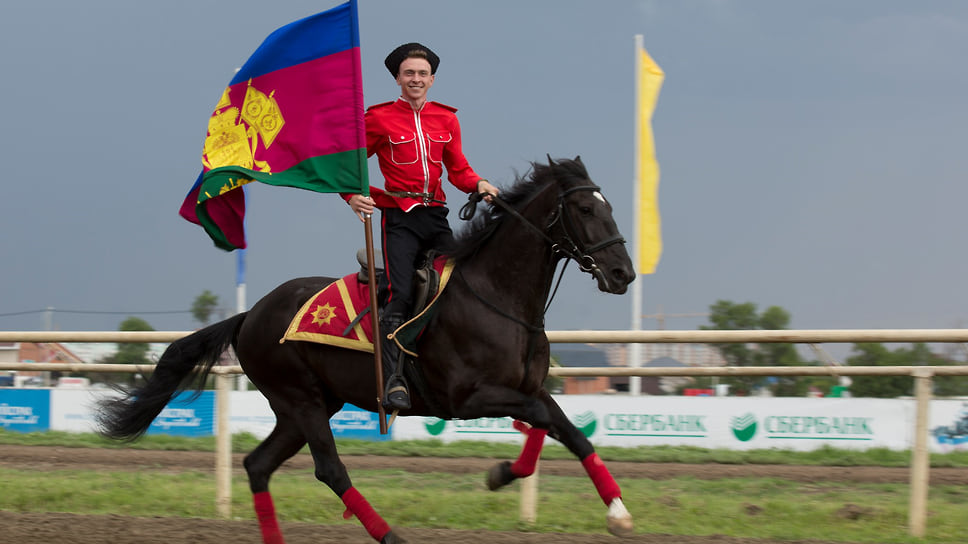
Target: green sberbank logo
(435, 425)
(586, 423)
(743, 427)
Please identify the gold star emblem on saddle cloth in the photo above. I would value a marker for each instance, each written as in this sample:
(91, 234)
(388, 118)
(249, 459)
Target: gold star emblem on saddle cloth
(323, 314)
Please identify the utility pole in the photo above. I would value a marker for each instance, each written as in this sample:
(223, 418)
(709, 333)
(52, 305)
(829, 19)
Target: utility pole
(830, 361)
(660, 316)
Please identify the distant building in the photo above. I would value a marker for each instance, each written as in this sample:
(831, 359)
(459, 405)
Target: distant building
(615, 355)
(9, 352)
(47, 352)
(663, 385)
(37, 352)
(582, 355)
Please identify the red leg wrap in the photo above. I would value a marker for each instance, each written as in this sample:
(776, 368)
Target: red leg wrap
(371, 521)
(528, 459)
(604, 483)
(265, 512)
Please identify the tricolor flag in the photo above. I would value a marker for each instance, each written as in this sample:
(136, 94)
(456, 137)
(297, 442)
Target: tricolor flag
(292, 116)
(649, 233)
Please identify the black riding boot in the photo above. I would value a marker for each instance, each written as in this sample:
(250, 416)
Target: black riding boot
(396, 396)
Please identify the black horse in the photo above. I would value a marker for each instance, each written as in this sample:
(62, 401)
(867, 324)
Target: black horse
(483, 354)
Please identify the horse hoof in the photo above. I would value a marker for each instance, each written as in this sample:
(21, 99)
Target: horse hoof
(621, 527)
(499, 476)
(392, 538)
(618, 520)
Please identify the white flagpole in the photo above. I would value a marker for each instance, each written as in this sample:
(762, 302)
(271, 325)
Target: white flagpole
(635, 349)
(242, 382)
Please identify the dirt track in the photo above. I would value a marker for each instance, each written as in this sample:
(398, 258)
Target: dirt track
(36, 528)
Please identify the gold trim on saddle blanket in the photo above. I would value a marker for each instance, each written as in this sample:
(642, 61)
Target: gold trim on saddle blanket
(323, 312)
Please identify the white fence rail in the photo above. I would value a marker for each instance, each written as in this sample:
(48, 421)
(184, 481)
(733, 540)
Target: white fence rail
(917, 511)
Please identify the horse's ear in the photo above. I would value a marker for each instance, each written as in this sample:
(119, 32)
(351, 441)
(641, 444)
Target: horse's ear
(578, 160)
(551, 162)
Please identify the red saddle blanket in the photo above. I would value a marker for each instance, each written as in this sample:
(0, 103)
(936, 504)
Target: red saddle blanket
(330, 316)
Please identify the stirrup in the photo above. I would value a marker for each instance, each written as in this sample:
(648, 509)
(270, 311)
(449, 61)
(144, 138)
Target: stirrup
(397, 398)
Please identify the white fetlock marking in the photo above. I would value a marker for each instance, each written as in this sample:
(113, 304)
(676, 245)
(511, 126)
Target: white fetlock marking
(617, 509)
(619, 519)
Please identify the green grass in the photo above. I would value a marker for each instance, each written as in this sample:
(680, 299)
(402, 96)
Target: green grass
(244, 443)
(749, 507)
(738, 507)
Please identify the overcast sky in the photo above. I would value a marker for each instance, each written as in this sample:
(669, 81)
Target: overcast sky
(812, 153)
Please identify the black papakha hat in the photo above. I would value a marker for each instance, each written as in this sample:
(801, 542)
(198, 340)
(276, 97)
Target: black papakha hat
(405, 51)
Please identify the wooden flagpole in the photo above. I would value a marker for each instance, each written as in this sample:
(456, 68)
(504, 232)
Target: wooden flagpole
(375, 320)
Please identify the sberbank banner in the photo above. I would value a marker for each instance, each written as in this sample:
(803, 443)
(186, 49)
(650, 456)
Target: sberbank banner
(706, 422)
(614, 420)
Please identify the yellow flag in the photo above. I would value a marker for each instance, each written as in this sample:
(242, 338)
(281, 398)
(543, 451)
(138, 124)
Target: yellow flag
(649, 233)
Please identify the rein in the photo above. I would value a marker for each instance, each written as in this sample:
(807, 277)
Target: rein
(574, 251)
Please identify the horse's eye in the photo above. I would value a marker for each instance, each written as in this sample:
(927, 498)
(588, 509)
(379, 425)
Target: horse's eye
(585, 210)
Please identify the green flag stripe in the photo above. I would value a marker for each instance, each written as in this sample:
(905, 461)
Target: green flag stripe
(344, 172)
(336, 173)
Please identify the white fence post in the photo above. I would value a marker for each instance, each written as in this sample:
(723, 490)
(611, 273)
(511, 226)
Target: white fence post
(920, 457)
(223, 445)
(529, 497)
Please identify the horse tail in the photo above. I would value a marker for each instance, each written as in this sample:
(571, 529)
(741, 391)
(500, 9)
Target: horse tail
(184, 365)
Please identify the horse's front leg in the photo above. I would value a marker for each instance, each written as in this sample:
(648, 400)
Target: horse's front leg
(506, 472)
(619, 521)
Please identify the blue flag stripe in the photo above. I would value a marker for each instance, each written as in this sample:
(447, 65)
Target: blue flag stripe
(310, 38)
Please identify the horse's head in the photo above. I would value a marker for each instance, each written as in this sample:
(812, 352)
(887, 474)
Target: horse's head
(583, 228)
(560, 204)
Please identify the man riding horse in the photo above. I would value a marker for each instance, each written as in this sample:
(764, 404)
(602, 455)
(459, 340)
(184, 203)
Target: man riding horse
(413, 140)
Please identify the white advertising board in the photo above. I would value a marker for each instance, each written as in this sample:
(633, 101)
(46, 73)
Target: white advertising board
(737, 423)
(73, 410)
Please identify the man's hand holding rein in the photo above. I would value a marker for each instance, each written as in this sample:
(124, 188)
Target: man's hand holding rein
(489, 190)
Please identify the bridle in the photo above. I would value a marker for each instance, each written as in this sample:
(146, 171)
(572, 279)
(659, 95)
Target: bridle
(570, 245)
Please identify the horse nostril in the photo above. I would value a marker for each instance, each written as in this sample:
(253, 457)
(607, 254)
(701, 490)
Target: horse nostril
(622, 276)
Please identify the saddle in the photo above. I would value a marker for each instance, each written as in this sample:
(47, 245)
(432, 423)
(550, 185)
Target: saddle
(426, 279)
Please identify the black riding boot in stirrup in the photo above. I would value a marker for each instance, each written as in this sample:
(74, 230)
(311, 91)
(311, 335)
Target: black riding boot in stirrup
(396, 396)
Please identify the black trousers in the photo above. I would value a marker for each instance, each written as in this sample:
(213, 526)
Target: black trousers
(405, 236)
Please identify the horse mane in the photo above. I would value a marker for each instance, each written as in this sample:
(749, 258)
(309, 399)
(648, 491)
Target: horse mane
(567, 172)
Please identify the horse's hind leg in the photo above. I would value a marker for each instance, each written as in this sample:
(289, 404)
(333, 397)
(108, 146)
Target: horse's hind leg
(283, 442)
(289, 435)
(331, 471)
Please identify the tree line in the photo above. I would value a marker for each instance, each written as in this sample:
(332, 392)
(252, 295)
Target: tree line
(203, 308)
(728, 315)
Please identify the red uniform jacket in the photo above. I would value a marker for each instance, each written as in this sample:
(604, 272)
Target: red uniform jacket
(413, 149)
